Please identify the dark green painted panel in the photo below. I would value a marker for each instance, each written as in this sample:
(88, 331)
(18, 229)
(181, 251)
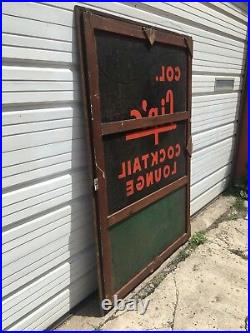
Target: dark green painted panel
(137, 240)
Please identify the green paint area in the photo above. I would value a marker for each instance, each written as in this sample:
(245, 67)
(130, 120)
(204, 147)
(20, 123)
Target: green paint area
(137, 240)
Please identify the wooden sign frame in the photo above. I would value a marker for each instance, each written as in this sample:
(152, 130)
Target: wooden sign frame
(87, 22)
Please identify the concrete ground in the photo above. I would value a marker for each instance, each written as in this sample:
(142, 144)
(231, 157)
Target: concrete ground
(202, 287)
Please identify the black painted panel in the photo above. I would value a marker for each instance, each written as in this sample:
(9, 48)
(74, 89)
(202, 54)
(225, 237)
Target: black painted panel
(136, 167)
(128, 73)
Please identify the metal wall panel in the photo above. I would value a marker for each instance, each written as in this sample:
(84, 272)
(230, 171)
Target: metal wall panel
(47, 232)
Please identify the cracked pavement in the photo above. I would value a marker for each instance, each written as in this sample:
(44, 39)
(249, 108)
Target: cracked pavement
(206, 291)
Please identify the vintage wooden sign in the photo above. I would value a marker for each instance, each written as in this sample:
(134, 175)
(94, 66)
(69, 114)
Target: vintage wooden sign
(136, 89)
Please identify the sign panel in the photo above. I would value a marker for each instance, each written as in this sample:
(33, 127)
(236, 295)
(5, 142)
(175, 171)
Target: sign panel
(136, 89)
(145, 161)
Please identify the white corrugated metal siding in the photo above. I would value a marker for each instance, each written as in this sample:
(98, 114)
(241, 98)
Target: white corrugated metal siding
(48, 247)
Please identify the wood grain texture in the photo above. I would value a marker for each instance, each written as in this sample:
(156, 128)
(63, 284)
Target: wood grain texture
(46, 216)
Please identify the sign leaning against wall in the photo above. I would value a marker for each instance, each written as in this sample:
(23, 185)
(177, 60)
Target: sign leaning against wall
(136, 93)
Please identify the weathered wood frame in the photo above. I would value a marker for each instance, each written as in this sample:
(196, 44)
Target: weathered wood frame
(87, 22)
